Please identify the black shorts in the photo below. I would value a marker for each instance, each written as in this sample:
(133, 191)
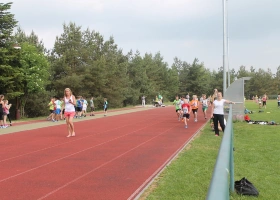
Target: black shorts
(105, 109)
(194, 110)
(79, 109)
(91, 109)
(51, 111)
(187, 115)
(178, 110)
(264, 103)
(63, 111)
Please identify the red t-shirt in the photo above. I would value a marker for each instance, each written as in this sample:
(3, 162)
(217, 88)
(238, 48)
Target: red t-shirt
(186, 108)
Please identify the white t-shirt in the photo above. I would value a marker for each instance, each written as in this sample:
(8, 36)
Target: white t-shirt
(205, 103)
(181, 103)
(58, 103)
(219, 106)
(85, 104)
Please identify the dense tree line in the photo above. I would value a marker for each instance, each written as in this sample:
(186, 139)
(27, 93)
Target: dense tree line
(93, 66)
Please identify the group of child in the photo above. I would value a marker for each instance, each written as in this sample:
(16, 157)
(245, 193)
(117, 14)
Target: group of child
(56, 108)
(184, 107)
(261, 101)
(4, 112)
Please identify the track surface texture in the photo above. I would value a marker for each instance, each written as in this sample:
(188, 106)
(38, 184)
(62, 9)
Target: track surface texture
(110, 157)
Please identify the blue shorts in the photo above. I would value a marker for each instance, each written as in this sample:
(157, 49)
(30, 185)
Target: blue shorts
(57, 111)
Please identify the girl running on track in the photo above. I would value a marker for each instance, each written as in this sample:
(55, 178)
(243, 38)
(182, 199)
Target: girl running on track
(194, 104)
(176, 102)
(186, 112)
(69, 113)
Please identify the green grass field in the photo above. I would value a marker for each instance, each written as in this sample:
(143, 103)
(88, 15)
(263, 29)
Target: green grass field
(256, 157)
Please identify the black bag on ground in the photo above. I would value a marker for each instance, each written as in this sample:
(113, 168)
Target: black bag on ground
(245, 187)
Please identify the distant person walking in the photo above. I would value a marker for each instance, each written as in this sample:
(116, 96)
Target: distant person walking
(69, 113)
(278, 99)
(218, 112)
(105, 106)
(2, 111)
(91, 103)
(143, 98)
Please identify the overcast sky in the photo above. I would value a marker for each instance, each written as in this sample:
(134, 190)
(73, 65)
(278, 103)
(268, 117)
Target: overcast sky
(187, 29)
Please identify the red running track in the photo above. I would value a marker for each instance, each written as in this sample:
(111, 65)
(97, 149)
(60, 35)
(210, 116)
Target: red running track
(110, 157)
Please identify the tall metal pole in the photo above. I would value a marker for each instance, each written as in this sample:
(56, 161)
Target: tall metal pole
(228, 46)
(224, 48)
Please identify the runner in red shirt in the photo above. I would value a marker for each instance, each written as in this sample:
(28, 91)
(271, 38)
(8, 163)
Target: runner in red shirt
(186, 108)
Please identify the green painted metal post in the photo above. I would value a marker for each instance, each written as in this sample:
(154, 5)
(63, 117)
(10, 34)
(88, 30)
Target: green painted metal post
(231, 186)
(222, 181)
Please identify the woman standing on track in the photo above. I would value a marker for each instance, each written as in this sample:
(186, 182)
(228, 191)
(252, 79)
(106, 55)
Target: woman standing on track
(218, 112)
(69, 113)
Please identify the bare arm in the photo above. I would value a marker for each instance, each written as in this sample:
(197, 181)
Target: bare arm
(74, 100)
(229, 102)
(212, 111)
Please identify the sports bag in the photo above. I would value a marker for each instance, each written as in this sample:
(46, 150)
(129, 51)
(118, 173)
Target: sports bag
(245, 187)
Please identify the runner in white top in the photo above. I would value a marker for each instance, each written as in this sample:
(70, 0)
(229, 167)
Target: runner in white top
(69, 113)
(204, 105)
(218, 112)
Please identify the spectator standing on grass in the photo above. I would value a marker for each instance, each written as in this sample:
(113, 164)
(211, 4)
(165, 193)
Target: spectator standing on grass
(69, 104)
(62, 109)
(143, 98)
(57, 110)
(105, 106)
(91, 103)
(1, 111)
(51, 109)
(256, 99)
(218, 112)
(260, 102)
(264, 98)
(6, 112)
(278, 99)
(79, 107)
(8, 106)
(84, 109)
(160, 98)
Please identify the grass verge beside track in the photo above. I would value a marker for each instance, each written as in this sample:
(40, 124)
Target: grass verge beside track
(256, 157)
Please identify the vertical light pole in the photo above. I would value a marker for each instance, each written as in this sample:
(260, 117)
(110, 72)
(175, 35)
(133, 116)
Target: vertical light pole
(227, 44)
(224, 47)
(16, 46)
